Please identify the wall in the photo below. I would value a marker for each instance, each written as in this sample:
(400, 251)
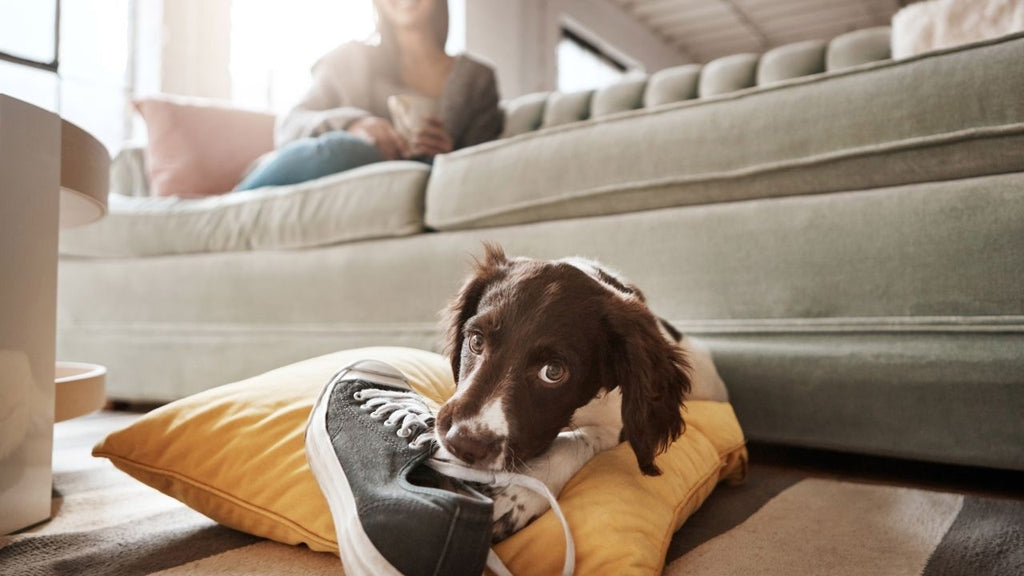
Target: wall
(615, 30)
(196, 48)
(520, 38)
(499, 31)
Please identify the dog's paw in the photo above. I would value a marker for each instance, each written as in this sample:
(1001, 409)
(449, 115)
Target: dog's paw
(514, 508)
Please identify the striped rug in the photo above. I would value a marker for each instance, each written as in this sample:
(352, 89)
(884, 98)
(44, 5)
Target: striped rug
(781, 522)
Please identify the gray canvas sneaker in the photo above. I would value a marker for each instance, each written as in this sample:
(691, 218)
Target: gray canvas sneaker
(367, 439)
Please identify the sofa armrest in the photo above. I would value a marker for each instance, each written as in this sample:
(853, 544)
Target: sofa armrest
(128, 174)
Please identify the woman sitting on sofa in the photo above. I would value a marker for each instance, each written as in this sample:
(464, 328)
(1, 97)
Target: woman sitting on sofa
(344, 120)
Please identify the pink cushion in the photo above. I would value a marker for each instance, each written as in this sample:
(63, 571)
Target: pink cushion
(201, 148)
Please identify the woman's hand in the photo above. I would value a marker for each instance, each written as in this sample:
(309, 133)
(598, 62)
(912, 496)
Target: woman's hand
(431, 139)
(382, 135)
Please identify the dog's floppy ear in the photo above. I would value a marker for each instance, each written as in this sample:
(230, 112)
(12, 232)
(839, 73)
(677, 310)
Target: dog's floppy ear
(653, 375)
(464, 306)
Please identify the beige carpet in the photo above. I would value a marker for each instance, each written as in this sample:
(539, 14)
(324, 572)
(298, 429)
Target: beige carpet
(829, 527)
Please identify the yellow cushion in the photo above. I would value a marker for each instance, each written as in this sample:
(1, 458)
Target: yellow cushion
(235, 453)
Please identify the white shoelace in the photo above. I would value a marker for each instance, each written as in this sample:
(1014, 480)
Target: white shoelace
(501, 478)
(406, 407)
(416, 420)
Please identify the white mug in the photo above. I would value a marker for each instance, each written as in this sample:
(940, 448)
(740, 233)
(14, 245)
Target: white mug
(410, 111)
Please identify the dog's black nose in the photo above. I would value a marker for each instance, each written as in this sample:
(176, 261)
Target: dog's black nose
(471, 448)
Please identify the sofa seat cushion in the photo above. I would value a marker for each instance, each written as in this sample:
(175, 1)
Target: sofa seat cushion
(944, 115)
(381, 200)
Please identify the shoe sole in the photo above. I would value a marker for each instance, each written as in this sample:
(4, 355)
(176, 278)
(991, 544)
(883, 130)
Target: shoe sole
(358, 554)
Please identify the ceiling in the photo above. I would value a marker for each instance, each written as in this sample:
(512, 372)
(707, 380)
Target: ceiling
(707, 29)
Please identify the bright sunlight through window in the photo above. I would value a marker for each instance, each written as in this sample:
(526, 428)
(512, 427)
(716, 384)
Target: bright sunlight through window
(583, 66)
(274, 44)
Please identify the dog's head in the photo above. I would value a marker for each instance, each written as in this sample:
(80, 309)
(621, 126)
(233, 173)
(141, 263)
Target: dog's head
(531, 341)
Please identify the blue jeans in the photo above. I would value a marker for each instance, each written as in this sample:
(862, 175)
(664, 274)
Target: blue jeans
(311, 158)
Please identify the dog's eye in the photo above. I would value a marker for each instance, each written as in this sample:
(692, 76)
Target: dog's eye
(476, 343)
(553, 373)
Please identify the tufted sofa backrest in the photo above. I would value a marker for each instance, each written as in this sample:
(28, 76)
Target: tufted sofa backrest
(692, 81)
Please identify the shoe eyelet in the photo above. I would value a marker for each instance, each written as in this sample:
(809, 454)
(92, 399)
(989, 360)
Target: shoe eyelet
(403, 433)
(358, 395)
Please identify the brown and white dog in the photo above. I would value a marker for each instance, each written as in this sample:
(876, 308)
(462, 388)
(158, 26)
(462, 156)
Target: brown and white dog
(556, 361)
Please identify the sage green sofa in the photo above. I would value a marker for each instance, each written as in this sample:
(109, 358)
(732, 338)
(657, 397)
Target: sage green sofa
(845, 232)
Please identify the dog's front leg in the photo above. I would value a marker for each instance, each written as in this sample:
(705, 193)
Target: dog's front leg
(515, 506)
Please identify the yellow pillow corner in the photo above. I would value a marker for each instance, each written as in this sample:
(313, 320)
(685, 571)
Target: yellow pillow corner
(255, 477)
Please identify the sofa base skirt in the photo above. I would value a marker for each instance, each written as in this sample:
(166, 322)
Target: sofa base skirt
(955, 398)
(164, 363)
(950, 398)
(887, 321)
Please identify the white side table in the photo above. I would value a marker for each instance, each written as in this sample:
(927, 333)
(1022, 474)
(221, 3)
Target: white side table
(33, 173)
(81, 389)
(84, 181)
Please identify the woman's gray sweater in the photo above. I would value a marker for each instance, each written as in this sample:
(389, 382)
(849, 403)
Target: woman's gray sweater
(349, 84)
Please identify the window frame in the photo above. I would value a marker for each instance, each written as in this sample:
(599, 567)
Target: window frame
(567, 33)
(51, 66)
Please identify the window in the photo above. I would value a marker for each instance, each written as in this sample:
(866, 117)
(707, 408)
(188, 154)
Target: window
(70, 58)
(274, 44)
(28, 31)
(28, 51)
(582, 65)
(95, 81)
